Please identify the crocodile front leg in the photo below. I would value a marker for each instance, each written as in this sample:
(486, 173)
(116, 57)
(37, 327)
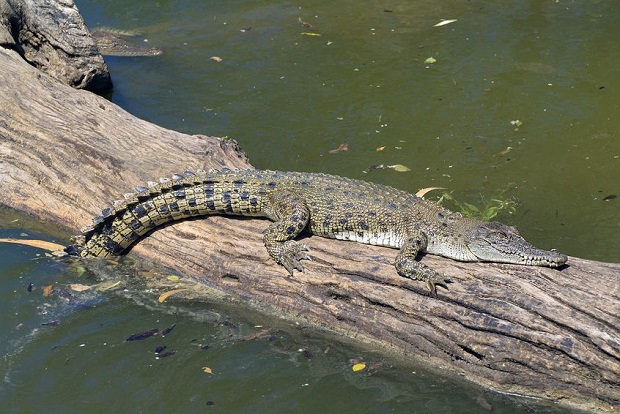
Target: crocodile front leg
(407, 266)
(291, 216)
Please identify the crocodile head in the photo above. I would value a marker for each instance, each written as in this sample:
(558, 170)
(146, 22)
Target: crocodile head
(496, 242)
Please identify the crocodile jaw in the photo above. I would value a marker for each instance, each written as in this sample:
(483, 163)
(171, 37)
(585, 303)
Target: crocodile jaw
(496, 242)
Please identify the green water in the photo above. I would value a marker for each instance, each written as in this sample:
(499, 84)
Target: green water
(521, 103)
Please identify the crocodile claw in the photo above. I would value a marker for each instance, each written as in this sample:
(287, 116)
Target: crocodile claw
(288, 254)
(437, 280)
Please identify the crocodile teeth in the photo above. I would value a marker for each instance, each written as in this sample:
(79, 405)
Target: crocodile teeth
(177, 177)
(188, 174)
(128, 195)
(201, 172)
(164, 180)
(151, 184)
(97, 220)
(87, 229)
(141, 189)
(106, 212)
(117, 203)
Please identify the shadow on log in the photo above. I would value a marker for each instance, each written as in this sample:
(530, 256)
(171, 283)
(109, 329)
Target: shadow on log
(66, 153)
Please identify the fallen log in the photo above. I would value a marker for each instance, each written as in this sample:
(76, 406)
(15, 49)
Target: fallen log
(66, 153)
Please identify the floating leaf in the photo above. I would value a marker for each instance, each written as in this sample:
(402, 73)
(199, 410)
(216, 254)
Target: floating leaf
(173, 278)
(216, 58)
(78, 287)
(445, 22)
(168, 330)
(41, 244)
(342, 147)
(380, 148)
(109, 286)
(166, 354)
(142, 335)
(423, 191)
(207, 370)
(256, 335)
(358, 367)
(430, 60)
(307, 24)
(310, 34)
(47, 290)
(166, 295)
(517, 122)
(374, 167)
(399, 168)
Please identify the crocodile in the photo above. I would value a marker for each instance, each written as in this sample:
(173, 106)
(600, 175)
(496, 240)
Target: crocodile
(325, 205)
(110, 42)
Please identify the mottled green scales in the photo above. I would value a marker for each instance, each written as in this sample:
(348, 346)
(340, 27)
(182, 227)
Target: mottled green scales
(324, 205)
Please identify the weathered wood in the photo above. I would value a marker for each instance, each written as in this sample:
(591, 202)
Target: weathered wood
(65, 154)
(51, 35)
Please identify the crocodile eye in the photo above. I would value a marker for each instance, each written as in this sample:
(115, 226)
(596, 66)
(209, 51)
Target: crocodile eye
(501, 235)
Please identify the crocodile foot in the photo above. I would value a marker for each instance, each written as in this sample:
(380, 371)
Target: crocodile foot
(417, 271)
(288, 254)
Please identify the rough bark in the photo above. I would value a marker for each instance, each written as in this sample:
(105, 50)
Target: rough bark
(65, 154)
(51, 36)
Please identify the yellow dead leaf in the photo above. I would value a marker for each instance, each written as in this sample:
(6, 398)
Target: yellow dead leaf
(358, 367)
(423, 191)
(380, 148)
(173, 278)
(207, 370)
(310, 34)
(430, 60)
(216, 58)
(41, 244)
(78, 287)
(166, 295)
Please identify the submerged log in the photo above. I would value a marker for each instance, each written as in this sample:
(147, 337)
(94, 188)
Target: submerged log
(65, 154)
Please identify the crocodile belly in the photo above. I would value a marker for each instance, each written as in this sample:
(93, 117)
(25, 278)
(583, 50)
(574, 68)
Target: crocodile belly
(387, 239)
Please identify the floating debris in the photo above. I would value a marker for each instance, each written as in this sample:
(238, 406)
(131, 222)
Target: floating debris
(166, 295)
(342, 147)
(445, 22)
(142, 335)
(358, 367)
(307, 24)
(168, 330)
(166, 354)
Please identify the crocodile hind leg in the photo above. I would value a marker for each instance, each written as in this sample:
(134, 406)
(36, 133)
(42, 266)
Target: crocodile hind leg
(291, 216)
(407, 266)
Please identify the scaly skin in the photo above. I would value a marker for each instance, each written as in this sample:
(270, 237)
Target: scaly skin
(325, 205)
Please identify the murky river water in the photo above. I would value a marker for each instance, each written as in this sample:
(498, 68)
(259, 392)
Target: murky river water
(517, 103)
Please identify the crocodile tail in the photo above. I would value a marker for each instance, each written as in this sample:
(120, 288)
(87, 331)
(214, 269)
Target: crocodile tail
(77, 245)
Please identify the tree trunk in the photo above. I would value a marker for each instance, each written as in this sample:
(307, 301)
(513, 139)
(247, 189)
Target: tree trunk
(65, 154)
